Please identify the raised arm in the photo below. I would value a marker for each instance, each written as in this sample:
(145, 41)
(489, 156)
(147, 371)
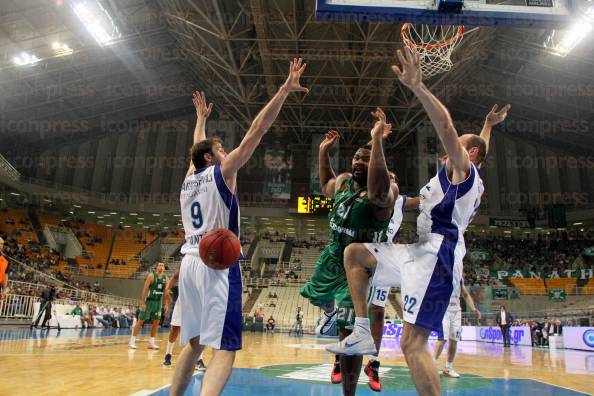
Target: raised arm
(468, 298)
(202, 113)
(382, 193)
(492, 119)
(412, 203)
(238, 157)
(411, 76)
(329, 182)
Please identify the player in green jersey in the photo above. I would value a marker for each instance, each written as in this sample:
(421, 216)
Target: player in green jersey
(151, 304)
(363, 204)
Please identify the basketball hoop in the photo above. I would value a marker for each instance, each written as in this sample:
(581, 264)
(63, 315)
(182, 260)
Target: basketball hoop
(434, 44)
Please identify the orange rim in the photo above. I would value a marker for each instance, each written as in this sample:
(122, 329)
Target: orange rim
(411, 44)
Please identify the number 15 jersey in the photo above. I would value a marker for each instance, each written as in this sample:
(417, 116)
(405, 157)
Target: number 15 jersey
(207, 203)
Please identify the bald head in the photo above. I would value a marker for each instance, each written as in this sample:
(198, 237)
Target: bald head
(476, 147)
(1, 244)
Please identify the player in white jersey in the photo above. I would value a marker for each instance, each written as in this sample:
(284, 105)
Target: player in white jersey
(378, 295)
(432, 267)
(211, 299)
(451, 328)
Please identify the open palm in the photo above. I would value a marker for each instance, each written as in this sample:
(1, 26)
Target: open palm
(494, 117)
(296, 69)
(199, 100)
(332, 137)
(409, 73)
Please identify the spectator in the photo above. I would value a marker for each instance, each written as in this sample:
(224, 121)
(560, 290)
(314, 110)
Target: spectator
(504, 320)
(259, 313)
(270, 324)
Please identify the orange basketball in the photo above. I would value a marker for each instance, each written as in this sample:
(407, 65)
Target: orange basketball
(220, 248)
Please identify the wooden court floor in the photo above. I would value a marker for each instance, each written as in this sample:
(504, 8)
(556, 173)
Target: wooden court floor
(93, 362)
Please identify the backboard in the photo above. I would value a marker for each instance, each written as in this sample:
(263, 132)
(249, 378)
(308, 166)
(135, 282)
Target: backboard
(519, 13)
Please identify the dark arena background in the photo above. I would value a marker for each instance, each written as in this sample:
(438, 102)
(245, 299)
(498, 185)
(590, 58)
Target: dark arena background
(101, 102)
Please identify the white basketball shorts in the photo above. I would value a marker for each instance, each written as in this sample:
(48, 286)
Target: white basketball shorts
(430, 270)
(451, 324)
(176, 315)
(210, 304)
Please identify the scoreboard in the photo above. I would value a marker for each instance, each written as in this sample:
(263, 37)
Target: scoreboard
(314, 204)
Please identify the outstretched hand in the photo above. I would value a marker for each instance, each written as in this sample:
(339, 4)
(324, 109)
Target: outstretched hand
(199, 101)
(494, 117)
(380, 127)
(332, 137)
(409, 73)
(296, 69)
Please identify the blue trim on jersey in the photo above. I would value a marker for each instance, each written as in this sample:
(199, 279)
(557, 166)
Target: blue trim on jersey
(443, 179)
(440, 335)
(224, 191)
(198, 171)
(234, 216)
(462, 187)
(440, 287)
(467, 184)
(231, 337)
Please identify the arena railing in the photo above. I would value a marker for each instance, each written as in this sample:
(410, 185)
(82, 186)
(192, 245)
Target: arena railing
(74, 294)
(489, 319)
(17, 306)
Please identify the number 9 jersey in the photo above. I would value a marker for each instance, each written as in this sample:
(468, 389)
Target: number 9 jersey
(210, 299)
(207, 203)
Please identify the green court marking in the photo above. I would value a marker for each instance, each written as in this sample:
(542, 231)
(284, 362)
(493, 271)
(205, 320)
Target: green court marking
(392, 377)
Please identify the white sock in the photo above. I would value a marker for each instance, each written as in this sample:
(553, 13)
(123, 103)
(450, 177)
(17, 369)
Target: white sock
(362, 325)
(449, 365)
(374, 358)
(132, 340)
(170, 347)
(153, 340)
(201, 356)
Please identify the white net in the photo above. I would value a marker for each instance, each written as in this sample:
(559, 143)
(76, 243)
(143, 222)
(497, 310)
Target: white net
(434, 44)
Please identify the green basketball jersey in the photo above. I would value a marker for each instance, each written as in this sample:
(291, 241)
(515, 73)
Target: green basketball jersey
(157, 288)
(352, 220)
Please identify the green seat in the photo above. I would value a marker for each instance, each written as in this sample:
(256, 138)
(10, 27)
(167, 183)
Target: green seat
(248, 323)
(259, 325)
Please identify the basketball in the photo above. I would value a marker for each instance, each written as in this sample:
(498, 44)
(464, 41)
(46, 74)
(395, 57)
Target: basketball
(220, 248)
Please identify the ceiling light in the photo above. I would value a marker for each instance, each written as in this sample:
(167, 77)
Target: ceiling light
(97, 21)
(570, 38)
(580, 223)
(91, 212)
(76, 206)
(25, 59)
(61, 49)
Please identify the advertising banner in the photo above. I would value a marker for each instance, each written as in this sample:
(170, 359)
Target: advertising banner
(517, 335)
(278, 162)
(394, 330)
(578, 338)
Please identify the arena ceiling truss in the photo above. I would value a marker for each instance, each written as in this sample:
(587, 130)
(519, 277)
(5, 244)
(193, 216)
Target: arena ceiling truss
(238, 52)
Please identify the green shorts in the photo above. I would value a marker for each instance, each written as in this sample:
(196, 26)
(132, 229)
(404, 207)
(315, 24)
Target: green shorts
(153, 311)
(329, 283)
